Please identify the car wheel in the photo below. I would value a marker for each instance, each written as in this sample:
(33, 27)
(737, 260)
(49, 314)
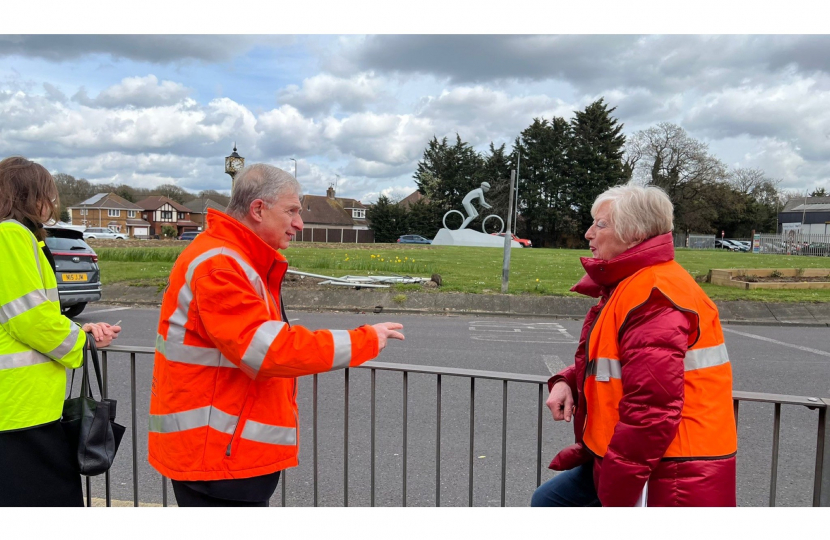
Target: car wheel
(74, 311)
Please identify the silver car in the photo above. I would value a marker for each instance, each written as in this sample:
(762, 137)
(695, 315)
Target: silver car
(103, 232)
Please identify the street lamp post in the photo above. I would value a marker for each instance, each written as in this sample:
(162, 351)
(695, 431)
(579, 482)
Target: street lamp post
(295, 167)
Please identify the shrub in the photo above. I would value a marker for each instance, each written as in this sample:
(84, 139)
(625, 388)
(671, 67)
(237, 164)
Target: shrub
(168, 231)
(776, 274)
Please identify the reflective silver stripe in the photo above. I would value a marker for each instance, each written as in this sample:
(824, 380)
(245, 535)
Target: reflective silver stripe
(22, 359)
(607, 369)
(53, 296)
(192, 419)
(173, 348)
(704, 358)
(190, 354)
(342, 349)
(258, 348)
(21, 305)
(264, 433)
(67, 344)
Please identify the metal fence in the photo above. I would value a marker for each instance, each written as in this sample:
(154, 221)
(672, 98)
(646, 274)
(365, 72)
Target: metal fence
(796, 243)
(537, 383)
(338, 236)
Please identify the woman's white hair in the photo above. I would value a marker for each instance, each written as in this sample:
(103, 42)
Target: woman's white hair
(259, 181)
(638, 213)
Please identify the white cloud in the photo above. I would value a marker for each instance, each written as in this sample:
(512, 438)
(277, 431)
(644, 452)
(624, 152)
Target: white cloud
(323, 92)
(136, 92)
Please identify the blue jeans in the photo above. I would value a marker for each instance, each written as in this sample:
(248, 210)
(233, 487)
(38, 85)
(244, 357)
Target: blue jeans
(568, 488)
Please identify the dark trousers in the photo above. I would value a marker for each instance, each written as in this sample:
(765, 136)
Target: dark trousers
(568, 488)
(254, 491)
(37, 468)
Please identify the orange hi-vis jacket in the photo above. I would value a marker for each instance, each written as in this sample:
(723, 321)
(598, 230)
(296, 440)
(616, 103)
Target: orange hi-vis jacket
(707, 427)
(223, 401)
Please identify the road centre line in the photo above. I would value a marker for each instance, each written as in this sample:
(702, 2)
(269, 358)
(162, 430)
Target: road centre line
(782, 343)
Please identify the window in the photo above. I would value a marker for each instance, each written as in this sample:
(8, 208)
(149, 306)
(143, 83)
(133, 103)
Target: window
(83, 211)
(181, 216)
(113, 213)
(130, 213)
(358, 213)
(167, 215)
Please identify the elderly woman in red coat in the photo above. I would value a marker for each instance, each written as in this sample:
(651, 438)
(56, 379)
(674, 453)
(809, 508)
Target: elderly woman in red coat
(650, 392)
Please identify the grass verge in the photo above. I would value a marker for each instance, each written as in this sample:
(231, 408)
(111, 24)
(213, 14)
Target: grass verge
(471, 270)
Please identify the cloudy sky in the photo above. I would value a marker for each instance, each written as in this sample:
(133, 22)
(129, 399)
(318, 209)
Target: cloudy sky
(146, 110)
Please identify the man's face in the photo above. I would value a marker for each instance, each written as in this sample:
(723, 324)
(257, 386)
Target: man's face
(281, 221)
(601, 237)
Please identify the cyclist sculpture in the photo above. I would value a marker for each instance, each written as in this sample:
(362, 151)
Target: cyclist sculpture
(477, 193)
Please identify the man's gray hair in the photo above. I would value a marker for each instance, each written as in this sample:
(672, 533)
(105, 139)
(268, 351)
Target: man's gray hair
(638, 212)
(259, 181)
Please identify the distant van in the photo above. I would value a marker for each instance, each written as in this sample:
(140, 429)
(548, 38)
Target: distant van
(190, 235)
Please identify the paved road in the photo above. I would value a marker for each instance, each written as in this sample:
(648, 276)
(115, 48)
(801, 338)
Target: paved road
(765, 359)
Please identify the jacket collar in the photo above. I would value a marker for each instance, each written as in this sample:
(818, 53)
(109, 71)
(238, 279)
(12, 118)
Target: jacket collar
(602, 276)
(243, 239)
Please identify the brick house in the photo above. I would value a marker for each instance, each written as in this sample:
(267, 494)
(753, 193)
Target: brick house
(110, 211)
(334, 219)
(159, 211)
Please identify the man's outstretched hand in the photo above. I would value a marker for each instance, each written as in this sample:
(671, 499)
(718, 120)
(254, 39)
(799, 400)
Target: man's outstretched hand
(386, 331)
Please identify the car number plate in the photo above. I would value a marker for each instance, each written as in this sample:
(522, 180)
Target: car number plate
(73, 277)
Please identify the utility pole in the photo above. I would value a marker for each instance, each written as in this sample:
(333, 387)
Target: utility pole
(508, 238)
(295, 167)
(516, 214)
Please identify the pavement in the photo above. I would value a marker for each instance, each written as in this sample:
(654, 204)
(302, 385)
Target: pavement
(736, 312)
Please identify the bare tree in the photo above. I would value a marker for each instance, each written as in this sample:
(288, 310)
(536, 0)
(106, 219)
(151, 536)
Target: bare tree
(666, 156)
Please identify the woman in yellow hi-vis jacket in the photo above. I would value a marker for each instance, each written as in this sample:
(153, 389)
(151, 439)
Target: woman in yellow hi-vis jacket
(37, 344)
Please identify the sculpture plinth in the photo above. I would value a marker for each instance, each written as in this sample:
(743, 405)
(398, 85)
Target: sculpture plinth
(466, 237)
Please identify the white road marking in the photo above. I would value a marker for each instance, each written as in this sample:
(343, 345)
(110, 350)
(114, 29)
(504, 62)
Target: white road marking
(106, 310)
(782, 343)
(524, 332)
(555, 365)
(292, 320)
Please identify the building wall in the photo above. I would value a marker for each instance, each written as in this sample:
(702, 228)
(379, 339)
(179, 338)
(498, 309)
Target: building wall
(92, 219)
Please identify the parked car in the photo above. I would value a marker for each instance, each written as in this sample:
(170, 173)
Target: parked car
(731, 245)
(413, 239)
(103, 232)
(76, 270)
(523, 241)
(190, 235)
(815, 248)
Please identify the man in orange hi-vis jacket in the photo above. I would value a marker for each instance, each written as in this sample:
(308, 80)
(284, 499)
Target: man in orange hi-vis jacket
(223, 410)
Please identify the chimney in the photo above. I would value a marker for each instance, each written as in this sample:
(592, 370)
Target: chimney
(330, 192)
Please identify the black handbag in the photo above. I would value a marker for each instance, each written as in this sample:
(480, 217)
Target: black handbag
(90, 425)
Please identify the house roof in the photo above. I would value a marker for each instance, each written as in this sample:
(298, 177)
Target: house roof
(137, 223)
(154, 202)
(327, 211)
(107, 201)
(200, 206)
(412, 198)
(808, 204)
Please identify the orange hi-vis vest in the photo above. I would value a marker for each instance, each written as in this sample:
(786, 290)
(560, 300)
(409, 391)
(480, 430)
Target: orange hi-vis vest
(223, 401)
(707, 427)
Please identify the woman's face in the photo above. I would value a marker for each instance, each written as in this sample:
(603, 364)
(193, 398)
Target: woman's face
(602, 240)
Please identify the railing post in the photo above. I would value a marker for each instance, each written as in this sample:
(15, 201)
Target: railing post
(821, 489)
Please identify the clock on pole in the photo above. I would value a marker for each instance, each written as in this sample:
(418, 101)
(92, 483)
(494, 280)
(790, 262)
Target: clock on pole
(233, 164)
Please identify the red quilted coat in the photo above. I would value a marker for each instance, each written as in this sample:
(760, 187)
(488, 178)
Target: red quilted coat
(657, 331)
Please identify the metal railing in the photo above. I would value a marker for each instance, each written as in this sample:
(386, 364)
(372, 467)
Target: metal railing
(795, 243)
(821, 482)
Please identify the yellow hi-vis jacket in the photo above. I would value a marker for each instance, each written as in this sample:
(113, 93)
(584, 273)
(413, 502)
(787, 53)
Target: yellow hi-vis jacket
(37, 343)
